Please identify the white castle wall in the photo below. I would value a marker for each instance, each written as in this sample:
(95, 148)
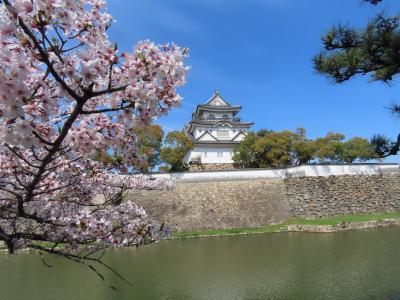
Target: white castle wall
(217, 115)
(209, 155)
(232, 132)
(306, 170)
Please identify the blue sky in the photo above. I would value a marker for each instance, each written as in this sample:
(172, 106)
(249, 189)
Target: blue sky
(258, 53)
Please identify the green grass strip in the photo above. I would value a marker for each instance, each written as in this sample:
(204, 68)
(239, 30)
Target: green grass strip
(275, 227)
(279, 227)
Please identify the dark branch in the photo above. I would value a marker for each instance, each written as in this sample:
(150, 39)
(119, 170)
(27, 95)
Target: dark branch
(89, 112)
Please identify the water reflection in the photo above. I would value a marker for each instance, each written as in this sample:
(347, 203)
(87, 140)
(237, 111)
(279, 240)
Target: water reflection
(348, 265)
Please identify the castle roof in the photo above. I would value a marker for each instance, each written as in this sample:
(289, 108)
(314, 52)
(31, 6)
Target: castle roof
(216, 100)
(216, 104)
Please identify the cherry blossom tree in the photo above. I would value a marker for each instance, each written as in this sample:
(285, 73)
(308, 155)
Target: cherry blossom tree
(66, 95)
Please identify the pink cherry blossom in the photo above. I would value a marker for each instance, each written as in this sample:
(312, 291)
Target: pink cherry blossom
(66, 95)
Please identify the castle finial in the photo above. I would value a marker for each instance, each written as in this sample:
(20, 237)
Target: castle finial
(216, 92)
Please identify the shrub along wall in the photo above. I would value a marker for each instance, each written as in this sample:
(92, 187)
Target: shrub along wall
(258, 202)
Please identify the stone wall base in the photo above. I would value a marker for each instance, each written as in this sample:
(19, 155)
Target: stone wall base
(215, 205)
(320, 197)
(204, 205)
(211, 167)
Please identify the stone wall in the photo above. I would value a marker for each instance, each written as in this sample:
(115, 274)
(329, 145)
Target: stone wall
(204, 202)
(314, 197)
(212, 205)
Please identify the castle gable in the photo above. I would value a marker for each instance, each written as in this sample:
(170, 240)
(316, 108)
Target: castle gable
(216, 100)
(207, 136)
(239, 137)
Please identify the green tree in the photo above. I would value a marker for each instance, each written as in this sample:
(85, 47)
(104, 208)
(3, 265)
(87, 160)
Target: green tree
(177, 145)
(265, 149)
(384, 147)
(274, 149)
(357, 149)
(148, 142)
(329, 148)
(303, 149)
(245, 154)
(373, 50)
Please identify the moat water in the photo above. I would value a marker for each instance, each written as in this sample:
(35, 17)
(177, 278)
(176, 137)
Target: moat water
(346, 265)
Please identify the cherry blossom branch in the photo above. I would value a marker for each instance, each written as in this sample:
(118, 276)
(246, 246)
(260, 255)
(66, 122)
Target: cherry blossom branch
(108, 91)
(81, 260)
(43, 54)
(54, 122)
(21, 157)
(44, 36)
(42, 139)
(105, 110)
(55, 147)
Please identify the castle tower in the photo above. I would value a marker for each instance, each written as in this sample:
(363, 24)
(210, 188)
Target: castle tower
(215, 129)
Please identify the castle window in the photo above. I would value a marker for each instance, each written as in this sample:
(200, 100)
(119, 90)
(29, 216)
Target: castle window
(225, 117)
(223, 133)
(211, 116)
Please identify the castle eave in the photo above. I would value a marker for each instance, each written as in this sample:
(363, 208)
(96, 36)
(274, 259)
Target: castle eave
(219, 122)
(213, 108)
(222, 107)
(228, 142)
